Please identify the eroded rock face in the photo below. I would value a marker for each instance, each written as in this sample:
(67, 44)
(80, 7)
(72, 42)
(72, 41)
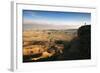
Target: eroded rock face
(80, 47)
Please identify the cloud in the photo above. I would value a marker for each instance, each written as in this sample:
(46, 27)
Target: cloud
(43, 24)
(53, 22)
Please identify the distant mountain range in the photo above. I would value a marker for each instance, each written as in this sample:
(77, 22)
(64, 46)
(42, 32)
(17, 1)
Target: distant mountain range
(40, 26)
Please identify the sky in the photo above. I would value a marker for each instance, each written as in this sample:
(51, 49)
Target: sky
(55, 17)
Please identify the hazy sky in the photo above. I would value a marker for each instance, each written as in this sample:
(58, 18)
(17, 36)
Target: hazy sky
(56, 17)
(33, 19)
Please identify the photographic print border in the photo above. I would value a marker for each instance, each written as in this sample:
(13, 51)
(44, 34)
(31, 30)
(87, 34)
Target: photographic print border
(16, 51)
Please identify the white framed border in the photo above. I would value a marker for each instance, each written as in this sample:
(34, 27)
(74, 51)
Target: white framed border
(16, 60)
